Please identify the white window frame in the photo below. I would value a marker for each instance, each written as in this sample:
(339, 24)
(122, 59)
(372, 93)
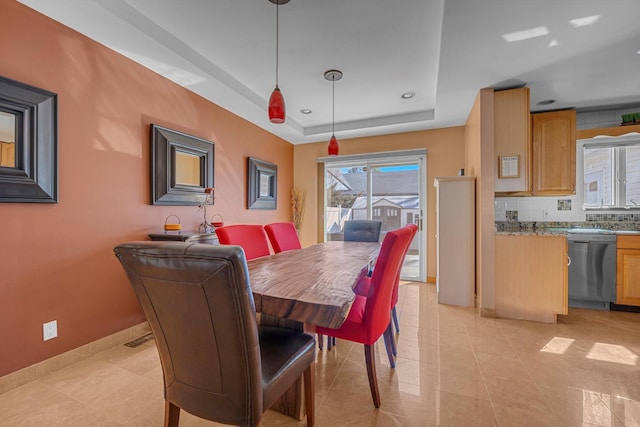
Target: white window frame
(370, 160)
(632, 139)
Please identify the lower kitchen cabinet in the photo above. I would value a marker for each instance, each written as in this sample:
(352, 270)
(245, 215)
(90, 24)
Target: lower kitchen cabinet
(628, 270)
(531, 277)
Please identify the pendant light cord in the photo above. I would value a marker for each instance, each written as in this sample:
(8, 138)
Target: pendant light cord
(277, 44)
(333, 106)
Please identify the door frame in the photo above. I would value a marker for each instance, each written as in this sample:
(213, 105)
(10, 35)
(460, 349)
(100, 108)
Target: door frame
(371, 160)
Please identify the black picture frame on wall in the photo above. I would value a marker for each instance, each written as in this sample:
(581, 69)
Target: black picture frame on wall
(262, 185)
(167, 147)
(34, 176)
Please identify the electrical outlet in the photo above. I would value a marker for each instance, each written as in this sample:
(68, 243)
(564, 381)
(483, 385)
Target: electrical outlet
(545, 213)
(49, 330)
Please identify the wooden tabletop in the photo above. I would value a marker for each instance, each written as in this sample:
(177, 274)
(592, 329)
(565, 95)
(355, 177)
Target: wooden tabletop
(312, 285)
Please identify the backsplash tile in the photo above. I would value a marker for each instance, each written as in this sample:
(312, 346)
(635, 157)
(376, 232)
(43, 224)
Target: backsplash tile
(602, 118)
(614, 217)
(511, 215)
(564, 204)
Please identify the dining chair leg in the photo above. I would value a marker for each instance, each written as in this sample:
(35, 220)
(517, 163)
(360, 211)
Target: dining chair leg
(309, 393)
(329, 342)
(389, 346)
(171, 414)
(394, 314)
(369, 357)
(320, 340)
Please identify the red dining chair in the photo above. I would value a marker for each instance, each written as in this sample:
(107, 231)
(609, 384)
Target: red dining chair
(364, 287)
(283, 236)
(394, 298)
(251, 238)
(370, 315)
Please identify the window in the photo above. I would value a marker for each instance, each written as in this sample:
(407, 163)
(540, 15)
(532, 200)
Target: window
(611, 173)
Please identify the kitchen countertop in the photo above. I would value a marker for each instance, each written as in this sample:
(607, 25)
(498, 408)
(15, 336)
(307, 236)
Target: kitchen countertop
(563, 232)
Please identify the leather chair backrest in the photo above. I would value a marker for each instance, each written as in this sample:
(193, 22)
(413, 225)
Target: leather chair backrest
(251, 238)
(394, 295)
(198, 301)
(208, 238)
(360, 230)
(283, 236)
(384, 279)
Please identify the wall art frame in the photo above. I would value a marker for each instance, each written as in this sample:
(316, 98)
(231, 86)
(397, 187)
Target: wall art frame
(167, 147)
(262, 185)
(34, 176)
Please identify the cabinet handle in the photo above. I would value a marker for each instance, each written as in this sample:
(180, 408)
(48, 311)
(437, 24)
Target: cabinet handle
(569, 262)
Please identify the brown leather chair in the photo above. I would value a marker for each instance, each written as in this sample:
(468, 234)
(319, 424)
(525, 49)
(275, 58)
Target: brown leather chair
(218, 364)
(208, 238)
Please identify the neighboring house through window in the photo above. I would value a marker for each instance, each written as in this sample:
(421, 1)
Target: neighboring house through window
(611, 172)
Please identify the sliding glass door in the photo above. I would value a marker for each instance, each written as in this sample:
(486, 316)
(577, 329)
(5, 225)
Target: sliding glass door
(386, 188)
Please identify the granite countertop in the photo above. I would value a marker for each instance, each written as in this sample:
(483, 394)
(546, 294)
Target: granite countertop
(539, 232)
(538, 229)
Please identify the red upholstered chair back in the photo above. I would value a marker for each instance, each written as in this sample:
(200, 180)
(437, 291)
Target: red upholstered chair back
(394, 295)
(384, 278)
(251, 238)
(283, 236)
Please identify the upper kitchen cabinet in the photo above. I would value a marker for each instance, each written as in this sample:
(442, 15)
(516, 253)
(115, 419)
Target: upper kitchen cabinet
(512, 140)
(554, 152)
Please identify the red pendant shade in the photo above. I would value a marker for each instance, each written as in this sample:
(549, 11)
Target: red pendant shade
(277, 112)
(276, 107)
(333, 147)
(333, 75)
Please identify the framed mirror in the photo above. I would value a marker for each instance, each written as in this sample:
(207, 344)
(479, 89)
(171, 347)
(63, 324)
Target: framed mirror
(262, 184)
(181, 167)
(28, 143)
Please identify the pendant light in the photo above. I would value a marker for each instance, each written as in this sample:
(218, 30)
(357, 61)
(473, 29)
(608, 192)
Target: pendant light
(277, 111)
(333, 75)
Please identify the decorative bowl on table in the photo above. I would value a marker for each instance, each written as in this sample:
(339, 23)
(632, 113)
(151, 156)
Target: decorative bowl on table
(217, 221)
(172, 226)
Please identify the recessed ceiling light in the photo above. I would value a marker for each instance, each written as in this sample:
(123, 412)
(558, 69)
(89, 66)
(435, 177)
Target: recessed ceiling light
(583, 22)
(408, 95)
(553, 43)
(546, 102)
(305, 111)
(526, 34)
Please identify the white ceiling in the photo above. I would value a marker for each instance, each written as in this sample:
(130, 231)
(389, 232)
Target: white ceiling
(442, 50)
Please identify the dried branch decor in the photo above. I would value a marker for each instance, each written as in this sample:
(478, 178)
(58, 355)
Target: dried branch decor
(298, 198)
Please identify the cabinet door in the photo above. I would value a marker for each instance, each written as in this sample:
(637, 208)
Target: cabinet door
(512, 137)
(554, 152)
(628, 280)
(531, 277)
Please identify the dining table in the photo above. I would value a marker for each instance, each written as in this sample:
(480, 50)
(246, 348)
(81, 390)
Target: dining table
(306, 287)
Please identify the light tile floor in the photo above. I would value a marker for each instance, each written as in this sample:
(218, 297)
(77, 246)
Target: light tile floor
(454, 369)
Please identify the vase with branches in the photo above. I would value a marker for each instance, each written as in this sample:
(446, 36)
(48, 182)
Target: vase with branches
(298, 198)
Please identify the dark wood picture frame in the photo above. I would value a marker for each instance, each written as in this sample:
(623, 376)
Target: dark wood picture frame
(262, 185)
(34, 179)
(165, 145)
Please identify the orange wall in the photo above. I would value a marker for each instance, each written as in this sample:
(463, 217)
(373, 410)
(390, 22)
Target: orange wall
(56, 260)
(445, 155)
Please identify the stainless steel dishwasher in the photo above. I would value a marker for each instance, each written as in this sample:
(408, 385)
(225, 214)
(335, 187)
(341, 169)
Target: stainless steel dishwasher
(592, 268)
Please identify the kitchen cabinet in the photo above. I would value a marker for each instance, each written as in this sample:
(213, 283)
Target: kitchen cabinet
(628, 270)
(554, 153)
(531, 277)
(512, 139)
